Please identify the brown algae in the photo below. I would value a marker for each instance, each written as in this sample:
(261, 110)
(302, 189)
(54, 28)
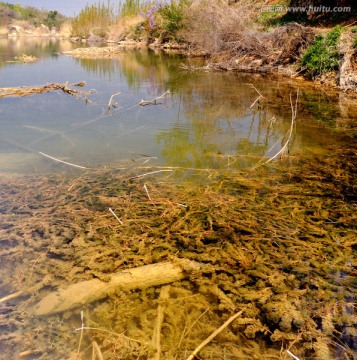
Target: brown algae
(277, 243)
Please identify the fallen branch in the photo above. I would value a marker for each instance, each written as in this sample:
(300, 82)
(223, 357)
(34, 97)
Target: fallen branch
(150, 173)
(284, 149)
(156, 339)
(111, 99)
(10, 297)
(153, 101)
(258, 98)
(85, 292)
(28, 90)
(63, 162)
(115, 215)
(147, 192)
(293, 118)
(292, 355)
(213, 335)
(96, 351)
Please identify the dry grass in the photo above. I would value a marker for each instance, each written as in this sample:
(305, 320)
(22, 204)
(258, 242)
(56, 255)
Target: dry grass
(125, 28)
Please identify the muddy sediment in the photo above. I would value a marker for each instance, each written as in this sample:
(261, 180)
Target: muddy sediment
(276, 242)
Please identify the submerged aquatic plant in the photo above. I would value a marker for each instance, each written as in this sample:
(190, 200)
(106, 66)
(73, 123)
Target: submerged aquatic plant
(275, 243)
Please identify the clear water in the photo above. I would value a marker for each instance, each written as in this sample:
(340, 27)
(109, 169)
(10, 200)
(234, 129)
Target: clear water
(205, 122)
(208, 120)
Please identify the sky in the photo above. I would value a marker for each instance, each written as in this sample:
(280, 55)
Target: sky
(66, 7)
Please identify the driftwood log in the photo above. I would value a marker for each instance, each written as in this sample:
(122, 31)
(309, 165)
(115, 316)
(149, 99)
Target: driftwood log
(85, 292)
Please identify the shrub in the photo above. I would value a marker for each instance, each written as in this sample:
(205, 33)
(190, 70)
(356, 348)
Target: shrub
(322, 56)
(172, 19)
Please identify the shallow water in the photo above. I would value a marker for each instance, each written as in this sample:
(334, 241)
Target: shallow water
(56, 228)
(206, 121)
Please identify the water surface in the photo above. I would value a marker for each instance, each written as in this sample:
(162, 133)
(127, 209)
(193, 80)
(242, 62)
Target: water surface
(207, 120)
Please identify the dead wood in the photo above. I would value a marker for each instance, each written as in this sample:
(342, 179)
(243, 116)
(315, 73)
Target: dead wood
(85, 292)
(29, 90)
(156, 339)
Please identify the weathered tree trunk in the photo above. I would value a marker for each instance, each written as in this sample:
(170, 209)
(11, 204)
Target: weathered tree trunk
(85, 292)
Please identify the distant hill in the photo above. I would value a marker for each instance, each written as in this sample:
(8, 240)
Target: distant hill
(10, 14)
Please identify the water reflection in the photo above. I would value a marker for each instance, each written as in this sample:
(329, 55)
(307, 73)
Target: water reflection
(207, 121)
(39, 47)
(135, 67)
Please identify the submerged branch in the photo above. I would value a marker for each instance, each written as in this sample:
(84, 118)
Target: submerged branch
(111, 100)
(213, 335)
(29, 90)
(153, 101)
(284, 149)
(89, 291)
(64, 162)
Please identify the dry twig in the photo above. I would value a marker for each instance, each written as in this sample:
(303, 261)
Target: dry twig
(63, 162)
(153, 101)
(156, 339)
(96, 351)
(111, 99)
(213, 335)
(11, 296)
(115, 215)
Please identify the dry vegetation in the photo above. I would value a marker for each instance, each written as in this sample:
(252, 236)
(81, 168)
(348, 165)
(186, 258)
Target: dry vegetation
(29, 90)
(231, 35)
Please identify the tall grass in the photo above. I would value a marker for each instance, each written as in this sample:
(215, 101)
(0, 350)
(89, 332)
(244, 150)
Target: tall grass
(95, 19)
(145, 19)
(130, 8)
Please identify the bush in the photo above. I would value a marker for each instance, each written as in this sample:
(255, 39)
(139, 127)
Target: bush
(322, 56)
(172, 19)
(162, 21)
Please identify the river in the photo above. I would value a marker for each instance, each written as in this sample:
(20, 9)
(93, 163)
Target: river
(205, 119)
(143, 111)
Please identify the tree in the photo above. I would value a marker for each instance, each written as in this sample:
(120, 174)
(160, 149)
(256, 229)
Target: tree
(51, 20)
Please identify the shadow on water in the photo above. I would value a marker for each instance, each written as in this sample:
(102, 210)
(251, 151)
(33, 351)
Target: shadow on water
(277, 242)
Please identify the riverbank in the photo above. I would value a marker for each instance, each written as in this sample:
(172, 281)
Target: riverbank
(238, 37)
(24, 29)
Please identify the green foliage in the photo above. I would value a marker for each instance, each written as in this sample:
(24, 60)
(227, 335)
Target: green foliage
(163, 21)
(36, 17)
(172, 19)
(130, 8)
(322, 56)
